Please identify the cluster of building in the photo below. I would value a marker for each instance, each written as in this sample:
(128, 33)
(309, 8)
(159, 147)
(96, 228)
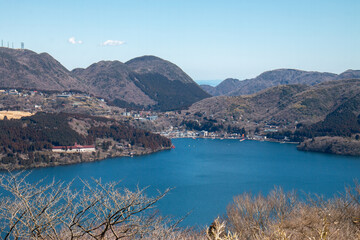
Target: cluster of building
(141, 115)
(200, 134)
(15, 92)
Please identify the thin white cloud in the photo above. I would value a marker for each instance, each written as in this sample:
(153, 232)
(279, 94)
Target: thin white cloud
(112, 43)
(72, 40)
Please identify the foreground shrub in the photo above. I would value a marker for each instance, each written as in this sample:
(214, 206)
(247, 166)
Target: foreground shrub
(282, 215)
(104, 211)
(98, 211)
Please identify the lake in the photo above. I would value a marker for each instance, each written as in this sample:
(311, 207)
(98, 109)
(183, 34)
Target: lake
(206, 174)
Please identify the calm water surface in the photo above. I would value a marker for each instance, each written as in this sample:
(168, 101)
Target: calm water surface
(207, 174)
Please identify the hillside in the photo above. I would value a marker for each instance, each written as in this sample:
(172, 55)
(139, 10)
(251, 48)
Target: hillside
(338, 133)
(27, 142)
(209, 89)
(222, 88)
(343, 121)
(284, 105)
(324, 117)
(349, 74)
(113, 80)
(155, 65)
(235, 87)
(144, 82)
(21, 68)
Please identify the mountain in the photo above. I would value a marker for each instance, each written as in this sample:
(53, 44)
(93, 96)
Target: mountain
(113, 80)
(349, 74)
(155, 65)
(146, 81)
(222, 88)
(235, 87)
(21, 68)
(280, 77)
(284, 105)
(209, 89)
(165, 83)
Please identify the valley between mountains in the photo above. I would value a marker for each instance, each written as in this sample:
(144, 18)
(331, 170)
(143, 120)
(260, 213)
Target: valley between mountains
(147, 96)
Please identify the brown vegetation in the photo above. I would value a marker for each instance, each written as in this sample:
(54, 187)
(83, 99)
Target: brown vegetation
(235, 87)
(27, 142)
(285, 105)
(334, 145)
(283, 216)
(98, 211)
(14, 114)
(104, 211)
(124, 84)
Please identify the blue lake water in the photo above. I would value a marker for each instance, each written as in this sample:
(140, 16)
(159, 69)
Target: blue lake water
(206, 174)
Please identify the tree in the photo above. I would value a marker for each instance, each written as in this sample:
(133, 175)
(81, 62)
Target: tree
(98, 211)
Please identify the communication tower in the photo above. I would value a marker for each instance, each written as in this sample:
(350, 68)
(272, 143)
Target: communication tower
(22, 45)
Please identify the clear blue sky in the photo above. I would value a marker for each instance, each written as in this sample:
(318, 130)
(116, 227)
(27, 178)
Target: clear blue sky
(208, 39)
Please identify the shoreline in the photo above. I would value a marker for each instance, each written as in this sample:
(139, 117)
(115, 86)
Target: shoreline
(76, 158)
(232, 138)
(79, 160)
(276, 141)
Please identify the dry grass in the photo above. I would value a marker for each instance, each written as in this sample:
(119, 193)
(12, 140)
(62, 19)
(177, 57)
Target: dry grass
(14, 114)
(283, 216)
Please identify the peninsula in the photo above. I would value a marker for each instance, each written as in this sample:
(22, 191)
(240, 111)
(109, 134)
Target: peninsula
(46, 139)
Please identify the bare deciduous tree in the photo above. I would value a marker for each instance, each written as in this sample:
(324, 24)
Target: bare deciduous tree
(105, 211)
(98, 211)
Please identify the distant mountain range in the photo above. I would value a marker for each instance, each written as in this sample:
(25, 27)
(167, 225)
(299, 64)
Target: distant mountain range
(144, 82)
(235, 87)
